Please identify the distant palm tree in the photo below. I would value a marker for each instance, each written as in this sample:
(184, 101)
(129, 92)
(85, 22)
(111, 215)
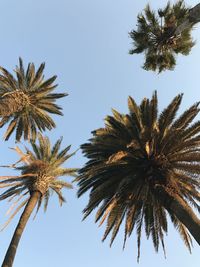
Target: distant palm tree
(38, 179)
(25, 101)
(142, 167)
(161, 37)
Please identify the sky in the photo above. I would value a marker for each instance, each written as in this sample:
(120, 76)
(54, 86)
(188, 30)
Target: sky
(86, 44)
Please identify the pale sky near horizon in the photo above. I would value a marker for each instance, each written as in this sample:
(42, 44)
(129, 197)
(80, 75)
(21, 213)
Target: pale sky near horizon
(86, 44)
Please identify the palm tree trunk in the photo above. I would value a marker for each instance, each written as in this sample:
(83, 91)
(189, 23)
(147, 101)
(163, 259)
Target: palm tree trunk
(10, 254)
(193, 18)
(176, 205)
(194, 14)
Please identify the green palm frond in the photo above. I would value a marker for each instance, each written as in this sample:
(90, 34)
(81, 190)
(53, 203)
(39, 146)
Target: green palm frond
(155, 36)
(40, 171)
(132, 156)
(26, 101)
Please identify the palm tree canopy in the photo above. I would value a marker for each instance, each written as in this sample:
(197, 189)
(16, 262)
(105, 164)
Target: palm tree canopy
(40, 171)
(155, 36)
(134, 155)
(26, 101)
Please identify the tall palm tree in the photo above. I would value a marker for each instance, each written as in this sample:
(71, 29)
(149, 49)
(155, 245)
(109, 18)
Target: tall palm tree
(163, 35)
(39, 177)
(143, 167)
(26, 100)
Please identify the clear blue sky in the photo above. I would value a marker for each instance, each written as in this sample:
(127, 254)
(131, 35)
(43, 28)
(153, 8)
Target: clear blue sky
(86, 44)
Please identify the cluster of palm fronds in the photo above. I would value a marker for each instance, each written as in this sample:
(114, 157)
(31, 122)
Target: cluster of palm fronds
(134, 157)
(26, 101)
(40, 171)
(156, 36)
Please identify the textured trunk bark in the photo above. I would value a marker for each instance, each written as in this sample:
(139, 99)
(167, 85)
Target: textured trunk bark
(3, 108)
(194, 14)
(183, 212)
(193, 18)
(10, 254)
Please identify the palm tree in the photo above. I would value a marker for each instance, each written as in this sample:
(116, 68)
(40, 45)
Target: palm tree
(143, 168)
(39, 177)
(25, 101)
(163, 35)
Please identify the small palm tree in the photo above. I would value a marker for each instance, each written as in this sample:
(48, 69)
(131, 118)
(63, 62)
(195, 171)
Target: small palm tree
(142, 167)
(161, 37)
(25, 101)
(39, 177)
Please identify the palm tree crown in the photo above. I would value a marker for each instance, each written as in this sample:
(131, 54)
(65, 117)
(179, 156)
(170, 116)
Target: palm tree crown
(40, 172)
(140, 163)
(27, 100)
(155, 36)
